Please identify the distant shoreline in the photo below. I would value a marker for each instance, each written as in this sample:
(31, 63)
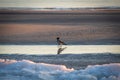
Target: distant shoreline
(60, 10)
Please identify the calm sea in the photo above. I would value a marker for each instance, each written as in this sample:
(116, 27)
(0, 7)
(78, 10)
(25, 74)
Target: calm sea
(52, 49)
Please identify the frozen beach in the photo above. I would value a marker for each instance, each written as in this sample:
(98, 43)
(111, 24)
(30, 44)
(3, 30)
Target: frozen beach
(40, 62)
(105, 66)
(76, 61)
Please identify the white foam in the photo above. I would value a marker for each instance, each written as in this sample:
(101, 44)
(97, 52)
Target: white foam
(28, 70)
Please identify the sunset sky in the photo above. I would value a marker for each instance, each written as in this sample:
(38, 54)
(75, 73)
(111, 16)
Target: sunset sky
(59, 3)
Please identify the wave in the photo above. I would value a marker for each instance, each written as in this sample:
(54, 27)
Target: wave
(29, 70)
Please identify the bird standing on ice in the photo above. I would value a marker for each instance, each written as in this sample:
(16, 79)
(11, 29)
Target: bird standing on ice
(60, 43)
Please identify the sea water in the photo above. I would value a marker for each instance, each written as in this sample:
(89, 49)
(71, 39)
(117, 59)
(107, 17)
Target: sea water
(52, 49)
